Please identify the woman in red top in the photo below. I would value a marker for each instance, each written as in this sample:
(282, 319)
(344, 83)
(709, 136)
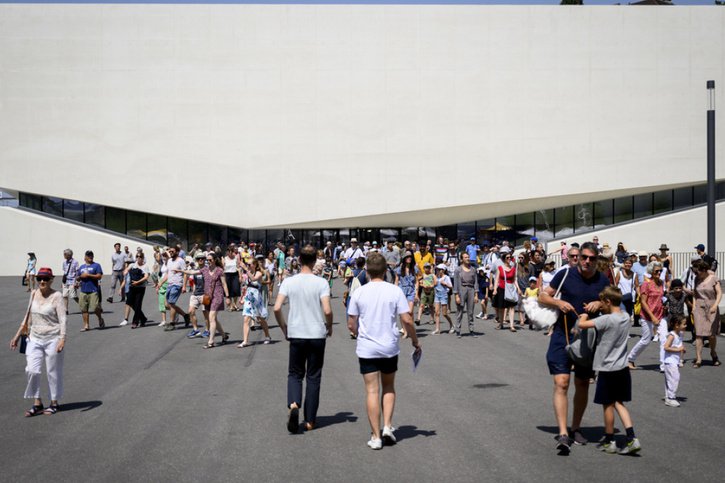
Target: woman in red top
(650, 295)
(505, 274)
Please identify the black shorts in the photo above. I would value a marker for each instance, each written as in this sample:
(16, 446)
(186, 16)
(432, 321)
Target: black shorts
(613, 387)
(386, 365)
(557, 358)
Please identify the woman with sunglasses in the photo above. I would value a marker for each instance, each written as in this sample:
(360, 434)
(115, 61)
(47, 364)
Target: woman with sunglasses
(505, 274)
(650, 293)
(45, 324)
(30, 271)
(254, 307)
(215, 286)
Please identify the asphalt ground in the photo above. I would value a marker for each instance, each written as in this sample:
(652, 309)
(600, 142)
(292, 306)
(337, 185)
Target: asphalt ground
(149, 405)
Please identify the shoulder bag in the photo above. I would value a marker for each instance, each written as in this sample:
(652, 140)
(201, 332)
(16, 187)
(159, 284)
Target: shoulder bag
(543, 316)
(510, 293)
(23, 346)
(581, 350)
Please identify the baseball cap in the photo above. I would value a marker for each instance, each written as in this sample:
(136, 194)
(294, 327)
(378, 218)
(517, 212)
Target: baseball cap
(353, 240)
(700, 247)
(426, 265)
(473, 238)
(200, 255)
(442, 266)
(532, 279)
(505, 250)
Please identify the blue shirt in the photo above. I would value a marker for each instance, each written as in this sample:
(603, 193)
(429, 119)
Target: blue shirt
(578, 291)
(472, 251)
(640, 270)
(89, 285)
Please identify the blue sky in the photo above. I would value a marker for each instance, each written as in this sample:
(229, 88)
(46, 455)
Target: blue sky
(372, 2)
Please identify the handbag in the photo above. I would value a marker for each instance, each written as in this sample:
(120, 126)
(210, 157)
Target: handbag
(206, 299)
(581, 350)
(543, 316)
(510, 293)
(23, 346)
(65, 275)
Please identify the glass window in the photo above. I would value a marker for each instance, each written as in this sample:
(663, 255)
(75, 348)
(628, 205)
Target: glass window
(95, 214)
(485, 231)
(409, 233)
(116, 219)
(623, 209)
(368, 235)
(720, 190)
(237, 235)
(198, 233)
(583, 217)
(156, 229)
(682, 197)
(136, 224)
(73, 210)
(344, 235)
(564, 219)
(273, 236)
(386, 234)
(331, 235)
(642, 205)
(524, 227)
(257, 236)
(699, 194)
(178, 232)
(544, 223)
(217, 235)
(34, 202)
(662, 201)
(53, 206)
(603, 213)
(464, 231)
(450, 232)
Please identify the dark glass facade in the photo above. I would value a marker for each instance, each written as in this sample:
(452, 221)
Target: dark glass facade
(516, 228)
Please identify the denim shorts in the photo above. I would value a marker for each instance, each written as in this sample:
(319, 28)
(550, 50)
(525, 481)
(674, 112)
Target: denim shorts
(441, 298)
(173, 292)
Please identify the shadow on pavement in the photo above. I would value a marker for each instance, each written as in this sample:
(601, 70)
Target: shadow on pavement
(341, 417)
(592, 433)
(490, 385)
(83, 406)
(407, 432)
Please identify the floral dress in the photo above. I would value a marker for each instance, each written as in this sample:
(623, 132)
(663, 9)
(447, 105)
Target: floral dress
(254, 304)
(213, 286)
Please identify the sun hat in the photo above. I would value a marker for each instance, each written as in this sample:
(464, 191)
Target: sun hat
(642, 253)
(45, 272)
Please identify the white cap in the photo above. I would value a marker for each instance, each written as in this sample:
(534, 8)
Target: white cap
(442, 266)
(505, 250)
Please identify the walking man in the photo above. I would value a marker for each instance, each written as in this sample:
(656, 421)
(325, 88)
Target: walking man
(118, 264)
(89, 300)
(372, 315)
(175, 278)
(70, 274)
(309, 324)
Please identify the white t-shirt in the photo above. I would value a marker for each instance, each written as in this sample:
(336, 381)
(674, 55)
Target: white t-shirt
(174, 277)
(377, 304)
(305, 292)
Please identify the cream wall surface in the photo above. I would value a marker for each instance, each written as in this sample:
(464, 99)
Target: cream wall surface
(354, 115)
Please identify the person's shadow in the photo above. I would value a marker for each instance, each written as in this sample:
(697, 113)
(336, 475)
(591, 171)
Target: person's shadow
(83, 406)
(339, 418)
(408, 432)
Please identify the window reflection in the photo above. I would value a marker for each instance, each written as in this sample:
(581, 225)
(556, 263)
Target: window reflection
(643, 205)
(564, 219)
(156, 229)
(136, 224)
(583, 217)
(622, 209)
(73, 210)
(52, 205)
(95, 215)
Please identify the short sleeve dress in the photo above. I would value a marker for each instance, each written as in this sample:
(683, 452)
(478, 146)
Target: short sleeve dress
(213, 282)
(706, 324)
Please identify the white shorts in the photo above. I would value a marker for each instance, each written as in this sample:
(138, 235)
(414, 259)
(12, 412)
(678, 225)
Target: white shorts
(196, 301)
(70, 292)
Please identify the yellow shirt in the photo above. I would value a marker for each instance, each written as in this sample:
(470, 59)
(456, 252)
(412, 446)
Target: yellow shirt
(531, 292)
(421, 260)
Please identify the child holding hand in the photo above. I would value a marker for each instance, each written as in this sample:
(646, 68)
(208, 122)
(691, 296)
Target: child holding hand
(673, 353)
(614, 384)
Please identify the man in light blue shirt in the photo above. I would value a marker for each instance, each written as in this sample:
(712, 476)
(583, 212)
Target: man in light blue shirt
(472, 249)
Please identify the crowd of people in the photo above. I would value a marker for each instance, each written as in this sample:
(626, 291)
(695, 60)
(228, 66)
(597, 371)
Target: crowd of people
(595, 287)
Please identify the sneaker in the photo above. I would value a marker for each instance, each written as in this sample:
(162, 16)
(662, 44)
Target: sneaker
(162, 324)
(656, 338)
(109, 300)
(480, 315)
(205, 334)
(474, 335)
(193, 333)
(389, 436)
(124, 323)
(563, 443)
(375, 443)
(673, 403)
(631, 447)
(267, 340)
(609, 448)
(293, 420)
(452, 331)
(578, 437)
(169, 327)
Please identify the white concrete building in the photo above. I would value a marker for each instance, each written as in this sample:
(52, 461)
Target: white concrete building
(246, 121)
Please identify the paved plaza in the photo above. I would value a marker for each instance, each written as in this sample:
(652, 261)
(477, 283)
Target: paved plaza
(149, 405)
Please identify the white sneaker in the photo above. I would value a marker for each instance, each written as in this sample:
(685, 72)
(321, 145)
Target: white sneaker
(267, 340)
(375, 443)
(480, 315)
(673, 403)
(656, 338)
(452, 331)
(125, 322)
(389, 436)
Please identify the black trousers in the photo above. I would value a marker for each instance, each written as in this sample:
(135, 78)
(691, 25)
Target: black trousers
(306, 357)
(135, 301)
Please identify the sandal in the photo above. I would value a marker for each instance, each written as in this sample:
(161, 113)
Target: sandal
(498, 327)
(52, 409)
(225, 338)
(435, 332)
(209, 345)
(513, 330)
(101, 323)
(243, 345)
(697, 364)
(34, 411)
(716, 361)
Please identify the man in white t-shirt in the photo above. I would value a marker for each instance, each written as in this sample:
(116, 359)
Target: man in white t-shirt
(309, 324)
(372, 314)
(354, 252)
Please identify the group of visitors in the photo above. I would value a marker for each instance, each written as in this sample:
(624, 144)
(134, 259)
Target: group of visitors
(595, 287)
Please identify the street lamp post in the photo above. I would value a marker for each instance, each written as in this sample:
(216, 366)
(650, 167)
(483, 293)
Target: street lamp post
(711, 168)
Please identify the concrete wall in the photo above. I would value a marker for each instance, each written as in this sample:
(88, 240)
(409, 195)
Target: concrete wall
(374, 103)
(24, 232)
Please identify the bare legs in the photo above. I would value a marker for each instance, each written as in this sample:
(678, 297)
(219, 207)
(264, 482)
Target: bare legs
(561, 402)
(214, 326)
(699, 341)
(374, 401)
(609, 417)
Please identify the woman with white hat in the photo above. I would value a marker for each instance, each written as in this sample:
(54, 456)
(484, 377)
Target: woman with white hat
(443, 285)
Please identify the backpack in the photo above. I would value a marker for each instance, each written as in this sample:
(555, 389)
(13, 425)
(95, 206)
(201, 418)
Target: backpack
(356, 283)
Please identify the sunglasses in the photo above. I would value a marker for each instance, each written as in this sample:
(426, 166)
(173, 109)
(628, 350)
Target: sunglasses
(42, 279)
(588, 257)
(573, 255)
